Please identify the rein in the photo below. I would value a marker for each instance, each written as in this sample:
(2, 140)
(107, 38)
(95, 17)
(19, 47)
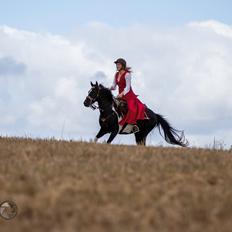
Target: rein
(93, 107)
(116, 101)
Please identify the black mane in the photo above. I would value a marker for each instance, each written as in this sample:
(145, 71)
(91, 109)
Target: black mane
(106, 92)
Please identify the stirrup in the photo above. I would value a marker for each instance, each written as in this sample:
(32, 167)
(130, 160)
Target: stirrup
(135, 129)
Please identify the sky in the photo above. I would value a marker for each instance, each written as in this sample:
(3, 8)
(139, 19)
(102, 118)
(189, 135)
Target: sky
(180, 52)
(59, 16)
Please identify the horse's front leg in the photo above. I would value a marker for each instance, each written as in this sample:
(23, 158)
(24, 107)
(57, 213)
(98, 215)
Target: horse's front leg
(112, 135)
(99, 134)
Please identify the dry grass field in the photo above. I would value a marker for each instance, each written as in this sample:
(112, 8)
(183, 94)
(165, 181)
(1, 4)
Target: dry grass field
(77, 186)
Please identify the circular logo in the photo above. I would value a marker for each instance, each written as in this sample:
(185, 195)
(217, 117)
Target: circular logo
(8, 210)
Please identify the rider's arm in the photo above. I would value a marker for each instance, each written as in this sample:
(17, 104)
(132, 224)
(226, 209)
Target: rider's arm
(128, 83)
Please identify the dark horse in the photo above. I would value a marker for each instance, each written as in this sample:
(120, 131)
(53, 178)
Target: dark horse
(108, 119)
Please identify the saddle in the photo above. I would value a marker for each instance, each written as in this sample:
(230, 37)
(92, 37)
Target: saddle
(120, 105)
(121, 108)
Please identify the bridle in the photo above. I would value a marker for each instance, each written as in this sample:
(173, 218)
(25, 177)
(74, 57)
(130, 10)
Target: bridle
(93, 100)
(94, 107)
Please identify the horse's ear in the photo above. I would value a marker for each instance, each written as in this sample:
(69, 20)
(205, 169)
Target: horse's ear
(96, 83)
(91, 84)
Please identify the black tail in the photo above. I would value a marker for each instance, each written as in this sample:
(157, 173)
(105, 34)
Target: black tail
(171, 135)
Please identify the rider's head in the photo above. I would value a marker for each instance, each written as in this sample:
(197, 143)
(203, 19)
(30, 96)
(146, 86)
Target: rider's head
(120, 64)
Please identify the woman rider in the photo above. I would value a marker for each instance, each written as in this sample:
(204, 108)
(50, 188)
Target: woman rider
(136, 109)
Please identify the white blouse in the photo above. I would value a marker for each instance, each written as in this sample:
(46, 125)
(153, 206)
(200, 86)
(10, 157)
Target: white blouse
(128, 83)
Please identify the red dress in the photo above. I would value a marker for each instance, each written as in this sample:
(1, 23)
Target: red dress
(136, 109)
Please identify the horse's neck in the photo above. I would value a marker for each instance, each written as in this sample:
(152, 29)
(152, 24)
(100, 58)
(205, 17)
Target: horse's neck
(104, 104)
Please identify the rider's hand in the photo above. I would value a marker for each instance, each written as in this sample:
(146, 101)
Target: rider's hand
(120, 95)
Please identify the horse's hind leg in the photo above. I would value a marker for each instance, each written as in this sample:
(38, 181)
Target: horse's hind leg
(144, 140)
(140, 139)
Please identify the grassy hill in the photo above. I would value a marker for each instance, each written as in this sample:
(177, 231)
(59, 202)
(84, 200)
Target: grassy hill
(78, 186)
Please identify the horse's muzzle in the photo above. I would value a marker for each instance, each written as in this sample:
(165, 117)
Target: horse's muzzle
(86, 102)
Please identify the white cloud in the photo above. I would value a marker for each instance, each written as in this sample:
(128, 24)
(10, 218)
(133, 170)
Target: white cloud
(183, 73)
(219, 28)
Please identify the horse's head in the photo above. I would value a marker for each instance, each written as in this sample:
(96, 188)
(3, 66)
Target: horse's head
(92, 95)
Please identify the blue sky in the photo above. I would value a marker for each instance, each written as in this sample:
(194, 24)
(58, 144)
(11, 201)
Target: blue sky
(62, 16)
